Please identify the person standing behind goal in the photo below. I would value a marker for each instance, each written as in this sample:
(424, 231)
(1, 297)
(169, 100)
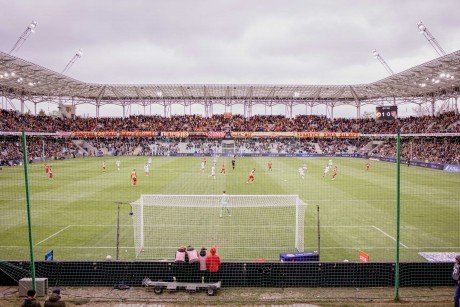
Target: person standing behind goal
(213, 263)
(203, 268)
(456, 277)
(30, 300)
(54, 300)
(224, 204)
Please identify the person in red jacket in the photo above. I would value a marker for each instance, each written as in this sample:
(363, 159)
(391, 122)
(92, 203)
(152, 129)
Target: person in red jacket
(213, 263)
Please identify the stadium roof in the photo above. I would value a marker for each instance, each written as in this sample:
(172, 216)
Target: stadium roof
(438, 79)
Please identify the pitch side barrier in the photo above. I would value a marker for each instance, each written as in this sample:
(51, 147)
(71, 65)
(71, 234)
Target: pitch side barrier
(438, 166)
(445, 167)
(221, 135)
(265, 155)
(234, 274)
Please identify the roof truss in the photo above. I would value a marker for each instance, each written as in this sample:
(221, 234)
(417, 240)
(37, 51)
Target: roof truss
(438, 79)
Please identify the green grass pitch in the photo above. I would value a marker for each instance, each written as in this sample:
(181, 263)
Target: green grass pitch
(75, 213)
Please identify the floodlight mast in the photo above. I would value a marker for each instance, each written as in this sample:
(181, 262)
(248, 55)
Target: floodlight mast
(77, 55)
(382, 61)
(29, 30)
(434, 43)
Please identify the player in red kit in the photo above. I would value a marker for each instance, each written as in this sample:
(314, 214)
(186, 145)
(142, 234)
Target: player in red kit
(270, 165)
(47, 168)
(134, 177)
(251, 176)
(334, 173)
(104, 167)
(204, 160)
(368, 166)
(222, 170)
(50, 173)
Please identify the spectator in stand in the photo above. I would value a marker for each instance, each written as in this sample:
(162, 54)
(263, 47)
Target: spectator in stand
(445, 122)
(435, 150)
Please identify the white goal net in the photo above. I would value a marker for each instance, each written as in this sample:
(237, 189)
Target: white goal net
(241, 227)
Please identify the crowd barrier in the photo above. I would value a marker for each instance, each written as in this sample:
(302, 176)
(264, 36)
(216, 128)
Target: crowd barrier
(236, 274)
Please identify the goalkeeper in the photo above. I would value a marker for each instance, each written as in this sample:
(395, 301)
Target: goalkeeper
(225, 204)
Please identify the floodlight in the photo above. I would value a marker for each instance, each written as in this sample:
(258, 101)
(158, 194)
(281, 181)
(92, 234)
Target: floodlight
(77, 55)
(159, 94)
(421, 27)
(33, 24)
(296, 94)
(30, 29)
(382, 61)
(431, 39)
(13, 74)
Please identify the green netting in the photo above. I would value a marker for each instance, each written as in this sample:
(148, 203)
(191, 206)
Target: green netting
(75, 213)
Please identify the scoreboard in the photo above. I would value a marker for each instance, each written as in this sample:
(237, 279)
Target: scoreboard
(386, 113)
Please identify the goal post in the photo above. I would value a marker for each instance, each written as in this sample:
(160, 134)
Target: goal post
(245, 227)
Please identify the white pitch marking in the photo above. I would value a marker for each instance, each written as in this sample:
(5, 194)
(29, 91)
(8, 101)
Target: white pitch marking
(54, 234)
(388, 235)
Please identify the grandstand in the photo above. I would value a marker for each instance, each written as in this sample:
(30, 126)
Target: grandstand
(85, 136)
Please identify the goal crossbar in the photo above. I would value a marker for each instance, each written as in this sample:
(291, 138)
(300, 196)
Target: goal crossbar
(210, 201)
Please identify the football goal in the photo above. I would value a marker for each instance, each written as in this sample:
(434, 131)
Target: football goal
(241, 227)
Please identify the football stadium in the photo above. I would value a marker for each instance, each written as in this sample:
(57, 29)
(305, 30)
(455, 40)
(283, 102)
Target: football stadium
(292, 200)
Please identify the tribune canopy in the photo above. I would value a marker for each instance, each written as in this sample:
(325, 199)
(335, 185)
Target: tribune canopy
(435, 80)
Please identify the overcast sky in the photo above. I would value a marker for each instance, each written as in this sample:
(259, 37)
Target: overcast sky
(237, 42)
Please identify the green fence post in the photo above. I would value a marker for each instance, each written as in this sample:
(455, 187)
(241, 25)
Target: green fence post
(29, 219)
(398, 212)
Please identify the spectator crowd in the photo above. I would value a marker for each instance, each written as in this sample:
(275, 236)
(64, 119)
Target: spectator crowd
(446, 122)
(427, 149)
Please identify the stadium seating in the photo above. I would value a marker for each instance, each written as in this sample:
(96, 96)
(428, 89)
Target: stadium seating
(440, 150)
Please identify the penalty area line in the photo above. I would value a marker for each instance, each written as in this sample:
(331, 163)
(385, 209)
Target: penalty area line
(54, 234)
(389, 236)
(68, 226)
